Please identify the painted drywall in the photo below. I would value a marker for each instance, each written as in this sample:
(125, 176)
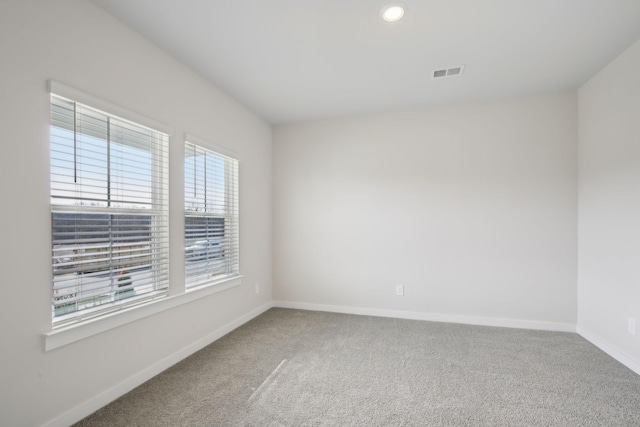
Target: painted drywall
(80, 45)
(609, 207)
(471, 208)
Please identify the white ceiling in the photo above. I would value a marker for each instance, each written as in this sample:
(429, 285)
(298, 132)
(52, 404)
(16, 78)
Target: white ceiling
(298, 60)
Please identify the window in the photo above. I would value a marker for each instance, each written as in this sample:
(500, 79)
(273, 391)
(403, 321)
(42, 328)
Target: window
(211, 216)
(109, 211)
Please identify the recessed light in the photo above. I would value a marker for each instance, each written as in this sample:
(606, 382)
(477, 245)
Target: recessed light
(392, 12)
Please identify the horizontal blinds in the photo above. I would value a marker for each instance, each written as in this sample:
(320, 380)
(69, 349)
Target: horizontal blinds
(211, 216)
(109, 211)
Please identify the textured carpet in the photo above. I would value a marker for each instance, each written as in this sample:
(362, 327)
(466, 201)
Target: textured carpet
(302, 368)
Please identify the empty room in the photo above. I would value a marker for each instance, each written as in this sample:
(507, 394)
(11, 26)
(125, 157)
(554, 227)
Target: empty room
(320, 213)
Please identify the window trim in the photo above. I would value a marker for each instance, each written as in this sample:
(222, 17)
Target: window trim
(188, 137)
(65, 91)
(160, 196)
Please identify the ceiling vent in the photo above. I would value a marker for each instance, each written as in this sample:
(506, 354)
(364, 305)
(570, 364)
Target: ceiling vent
(448, 72)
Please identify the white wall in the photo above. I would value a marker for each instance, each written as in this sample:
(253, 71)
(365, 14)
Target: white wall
(609, 207)
(472, 208)
(80, 45)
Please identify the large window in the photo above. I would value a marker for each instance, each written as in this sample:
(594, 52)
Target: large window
(109, 212)
(211, 216)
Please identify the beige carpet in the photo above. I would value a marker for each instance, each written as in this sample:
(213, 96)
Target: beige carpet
(301, 368)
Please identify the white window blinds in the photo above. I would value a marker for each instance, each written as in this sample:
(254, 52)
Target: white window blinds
(109, 212)
(211, 216)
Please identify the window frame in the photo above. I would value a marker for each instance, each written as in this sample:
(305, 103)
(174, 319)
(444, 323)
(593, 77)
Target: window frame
(157, 211)
(230, 216)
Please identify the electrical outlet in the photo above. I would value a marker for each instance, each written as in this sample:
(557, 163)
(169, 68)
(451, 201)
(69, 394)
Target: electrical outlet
(632, 325)
(257, 288)
(400, 290)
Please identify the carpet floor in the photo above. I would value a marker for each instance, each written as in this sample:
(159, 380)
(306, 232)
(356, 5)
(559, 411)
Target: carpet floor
(303, 368)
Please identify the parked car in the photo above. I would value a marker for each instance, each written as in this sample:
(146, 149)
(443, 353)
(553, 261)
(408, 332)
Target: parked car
(124, 281)
(203, 249)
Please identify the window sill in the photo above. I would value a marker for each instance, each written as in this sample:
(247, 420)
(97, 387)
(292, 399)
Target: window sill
(70, 334)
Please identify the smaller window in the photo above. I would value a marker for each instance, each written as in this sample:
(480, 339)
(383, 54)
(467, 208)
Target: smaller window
(211, 216)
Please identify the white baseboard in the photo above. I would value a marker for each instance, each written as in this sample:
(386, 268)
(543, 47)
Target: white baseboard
(613, 351)
(434, 317)
(97, 402)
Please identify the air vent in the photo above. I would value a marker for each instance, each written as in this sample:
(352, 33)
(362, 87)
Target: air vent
(448, 72)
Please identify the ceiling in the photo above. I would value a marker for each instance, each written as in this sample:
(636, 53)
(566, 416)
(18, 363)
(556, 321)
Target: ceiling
(300, 60)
